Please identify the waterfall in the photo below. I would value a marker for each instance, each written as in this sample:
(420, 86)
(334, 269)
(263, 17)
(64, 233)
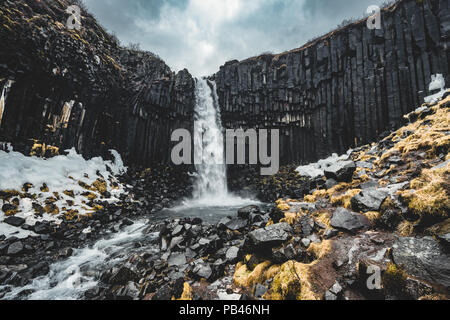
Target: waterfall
(209, 147)
(4, 94)
(210, 185)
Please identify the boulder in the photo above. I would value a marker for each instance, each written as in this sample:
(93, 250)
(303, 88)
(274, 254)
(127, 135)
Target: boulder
(15, 221)
(202, 271)
(270, 237)
(341, 171)
(232, 254)
(368, 200)
(121, 276)
(237, 224)
(177, 259)
(244, 213)
(349, 221)
(423, 258)
(15, 248)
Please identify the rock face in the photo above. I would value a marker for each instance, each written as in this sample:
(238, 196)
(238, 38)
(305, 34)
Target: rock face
(343, 89)
(81, 89)
(423, 258)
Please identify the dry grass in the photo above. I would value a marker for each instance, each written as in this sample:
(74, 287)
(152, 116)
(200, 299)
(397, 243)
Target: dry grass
(429, 135)
(430, 194)
(344, 199)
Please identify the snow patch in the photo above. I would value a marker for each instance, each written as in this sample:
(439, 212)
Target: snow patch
(59, 174)
(317, 170)
(437, 83)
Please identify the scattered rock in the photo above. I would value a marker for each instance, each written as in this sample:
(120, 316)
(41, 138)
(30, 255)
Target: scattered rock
(341, 171)
(348, 220)
(15, 221)
(424, 259)
(368, 200)
(15, 248)
(244, 213)
(270, 237)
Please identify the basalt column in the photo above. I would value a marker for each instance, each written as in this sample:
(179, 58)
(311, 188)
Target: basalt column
(344, 89)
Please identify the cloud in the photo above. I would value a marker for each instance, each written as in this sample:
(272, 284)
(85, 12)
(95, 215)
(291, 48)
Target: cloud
(201, 35)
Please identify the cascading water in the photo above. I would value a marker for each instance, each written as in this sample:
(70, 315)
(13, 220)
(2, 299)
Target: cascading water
(210, 185)
(211, 179)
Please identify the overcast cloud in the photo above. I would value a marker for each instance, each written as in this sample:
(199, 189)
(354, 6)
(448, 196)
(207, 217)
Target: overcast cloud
(201, 35)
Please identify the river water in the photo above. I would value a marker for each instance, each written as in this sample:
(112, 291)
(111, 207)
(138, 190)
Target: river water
(211, 201)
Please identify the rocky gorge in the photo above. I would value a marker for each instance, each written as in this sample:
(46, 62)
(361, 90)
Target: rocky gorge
(371, 224)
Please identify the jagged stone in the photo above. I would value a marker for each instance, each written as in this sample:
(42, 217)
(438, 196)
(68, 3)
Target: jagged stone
(368, 200)
(423, 258)
(348, 220)
(270, 237)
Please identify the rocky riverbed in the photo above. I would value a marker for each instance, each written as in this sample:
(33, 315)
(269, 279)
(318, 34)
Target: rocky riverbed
(375, 227)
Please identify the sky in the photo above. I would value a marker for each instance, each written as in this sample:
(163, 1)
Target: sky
(201, 35)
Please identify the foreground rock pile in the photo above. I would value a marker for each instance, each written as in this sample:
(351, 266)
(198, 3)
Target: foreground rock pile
(26, 257)
(362, 235)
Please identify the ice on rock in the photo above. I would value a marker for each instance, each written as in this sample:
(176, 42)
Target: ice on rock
(316, 170)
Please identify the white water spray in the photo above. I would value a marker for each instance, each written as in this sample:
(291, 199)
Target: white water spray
(211, 180)
(210, 186)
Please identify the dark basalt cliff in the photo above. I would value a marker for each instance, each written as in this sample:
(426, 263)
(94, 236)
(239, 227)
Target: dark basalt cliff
(345, 88)
(81, 89)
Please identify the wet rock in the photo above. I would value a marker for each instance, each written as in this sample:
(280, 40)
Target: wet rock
(177, 259)
(128, 292)
(164, 293)
(42, 227)
(244, 213)
(341, 171)
(269, 237)
(122, 276)
(202, 270)
(177, 231)
(445, 240)
(237, 224)
(368, 200)
(15, 221)
(423, 258)
(15, 248)
(232, 254)
(349, 221)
